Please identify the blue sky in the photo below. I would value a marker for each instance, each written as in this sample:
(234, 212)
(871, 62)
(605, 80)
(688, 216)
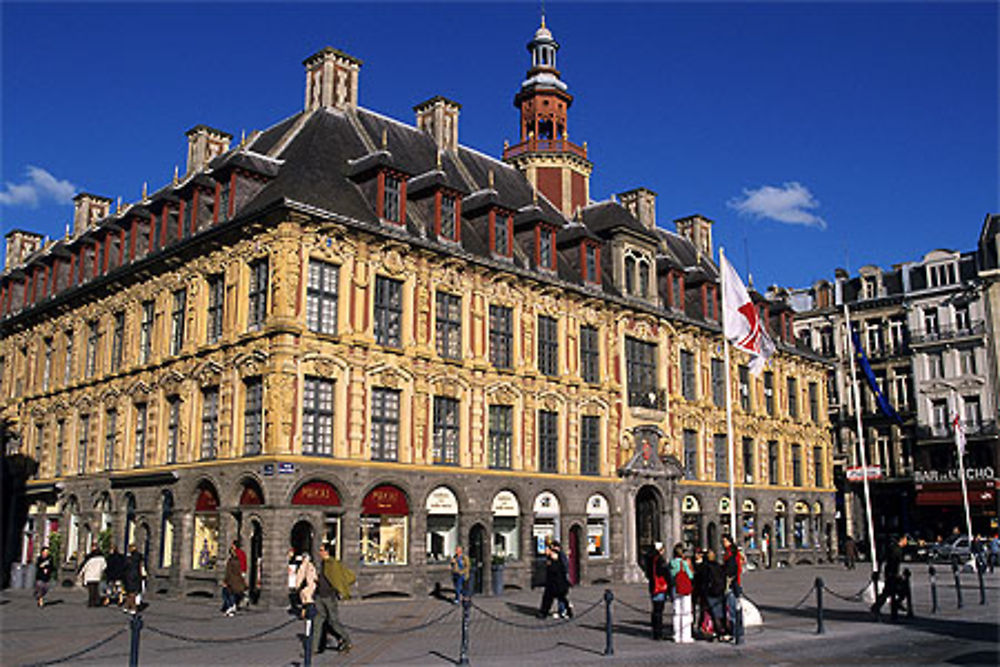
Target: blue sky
(809, 132)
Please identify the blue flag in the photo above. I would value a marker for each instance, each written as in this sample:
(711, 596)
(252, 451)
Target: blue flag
(880, 399)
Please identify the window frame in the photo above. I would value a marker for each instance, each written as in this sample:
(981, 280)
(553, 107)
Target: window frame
(253, 416)
(590, 445)
(173, 428)
(446, 438)
(257, 293)
(387, 304)
(590, 354)
(448, 324)
(216, 287)
(318, 415)
(385, 426)
(548, 345)
(209, 423)
(501, 435)
(548, 233)
(177, 316)
(548, 441)
(322, 301)
(501, 336)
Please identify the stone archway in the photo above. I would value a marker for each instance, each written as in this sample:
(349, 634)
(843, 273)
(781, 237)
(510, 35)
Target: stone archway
(648, 528)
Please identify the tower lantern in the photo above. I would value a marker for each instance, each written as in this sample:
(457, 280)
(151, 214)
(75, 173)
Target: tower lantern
(549, 160)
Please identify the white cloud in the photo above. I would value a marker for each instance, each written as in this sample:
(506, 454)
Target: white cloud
(40, 185)
(791, 204)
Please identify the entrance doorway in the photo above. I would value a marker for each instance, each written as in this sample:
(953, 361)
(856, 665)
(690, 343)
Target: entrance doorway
(302, 538)
(477, 552)
(647, 522)
(713, 537)
(574, 555)
(256, 553)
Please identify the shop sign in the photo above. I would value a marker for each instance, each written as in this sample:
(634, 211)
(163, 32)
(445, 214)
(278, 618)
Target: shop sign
(442, 501)
(505, 504)
(546, 504)
(597, 505)
(286, 468)
(386, 500)
(316, 493)
(857, 473)
(952, 475)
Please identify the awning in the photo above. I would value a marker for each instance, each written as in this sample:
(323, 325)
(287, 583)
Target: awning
(954, 497)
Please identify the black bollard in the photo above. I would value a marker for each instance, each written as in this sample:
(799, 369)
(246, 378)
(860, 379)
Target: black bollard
(307, 649)
(933, 573)
(609, 642)
(958, 584)
(820, 630)
(738, 637)
(982, 587)
(463, 655)
(133, 653)
(908, 592)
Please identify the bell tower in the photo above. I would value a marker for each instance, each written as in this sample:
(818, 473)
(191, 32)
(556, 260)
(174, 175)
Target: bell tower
(545, 155)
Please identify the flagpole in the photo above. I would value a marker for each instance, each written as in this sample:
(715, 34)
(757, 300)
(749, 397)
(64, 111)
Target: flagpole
(861, 437)
(729, 409)
(960, 445)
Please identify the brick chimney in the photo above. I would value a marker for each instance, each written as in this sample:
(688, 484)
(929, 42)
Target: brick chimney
(331, 80)
(204, 145)
(641, 203)
(20, 245)
(698, 230)
(87, 210)
(438, 117)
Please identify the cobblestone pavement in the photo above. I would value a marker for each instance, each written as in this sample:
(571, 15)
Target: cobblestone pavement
(504, 631)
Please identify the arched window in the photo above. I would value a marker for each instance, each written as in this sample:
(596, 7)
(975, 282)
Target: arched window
(442, 524)
(749, 524)
(629, 274)
(321, 494)
(546, 525)
(691, 522)
(801, 526)
(167, 531)
(643, 278)
(384, 514)
(780, 537)
(206, 528)
(598, 545)
(506, 525)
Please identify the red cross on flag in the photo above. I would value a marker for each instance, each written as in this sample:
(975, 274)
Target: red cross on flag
(741, 321)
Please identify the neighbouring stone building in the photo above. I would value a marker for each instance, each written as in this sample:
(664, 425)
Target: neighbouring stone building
(354, 330)
(929, 329)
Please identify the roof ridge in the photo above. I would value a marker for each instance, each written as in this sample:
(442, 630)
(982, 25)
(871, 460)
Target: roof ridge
(292, 132)
(359, 129)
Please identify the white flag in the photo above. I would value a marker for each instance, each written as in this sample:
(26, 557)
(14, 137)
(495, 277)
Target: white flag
(741, 322)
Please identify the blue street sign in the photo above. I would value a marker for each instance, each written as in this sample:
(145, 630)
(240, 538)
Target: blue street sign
(268, 470)
(286, 468)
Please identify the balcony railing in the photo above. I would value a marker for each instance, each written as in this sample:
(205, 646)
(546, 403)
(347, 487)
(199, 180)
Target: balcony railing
(947, 431)
(651, 399)
(545, 145)
(948, 332)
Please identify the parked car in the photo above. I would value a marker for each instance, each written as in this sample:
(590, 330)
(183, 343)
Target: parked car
(956, 547)
(916, 549)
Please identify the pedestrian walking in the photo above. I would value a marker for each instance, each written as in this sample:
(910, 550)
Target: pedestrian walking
(333, 583)
(556, 584)
(115, 574)
(91, 573)
(682, 575)
(994, 552)
(306, 579)
(657, 574)
(893, 588)
(565, 607)
(850, 553)
(241, 556)
(233, 585)
(732, 566)
(460, 568)
(44, 568)
(135, 572)
(294, 561)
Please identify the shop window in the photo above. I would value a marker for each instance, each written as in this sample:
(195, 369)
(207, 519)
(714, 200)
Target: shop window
(442, 525)
(167, 531)
(206, 530)
(780, 533)
(322, 494)
(691, 522)
(506, 525)
(749, 524)
(384, 516)
(800, 529)
(545, 528)
(597, 527)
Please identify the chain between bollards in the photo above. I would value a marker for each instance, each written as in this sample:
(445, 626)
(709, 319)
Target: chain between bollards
(933, 572)
(609, 642)
(819, 606)
(136, 626)
(958, 584)
(463, 655)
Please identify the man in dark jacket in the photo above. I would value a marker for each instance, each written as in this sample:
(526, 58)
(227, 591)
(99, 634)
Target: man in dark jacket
(43, 573)
(333, 582)
(894, 587)
(556, 584)
(715, 592)
(134, 574)
(115, 573)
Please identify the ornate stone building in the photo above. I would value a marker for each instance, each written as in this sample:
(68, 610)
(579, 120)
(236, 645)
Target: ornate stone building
(353, 330)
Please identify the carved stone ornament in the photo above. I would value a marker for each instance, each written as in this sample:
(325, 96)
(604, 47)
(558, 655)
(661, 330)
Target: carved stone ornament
(250, 362)
(504, 393)
(138, 389)
(208, 373)
(169, 380)
(392, 259)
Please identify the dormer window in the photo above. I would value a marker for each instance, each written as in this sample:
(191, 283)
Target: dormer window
(501, 229)
(186, 206)
(637, 274)
(392, 193)
(591, 262)
(223, 195)
(545, 243)
(629, 275)
(869, 287)
(941, 274)
(643, 279)
(448, 224)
